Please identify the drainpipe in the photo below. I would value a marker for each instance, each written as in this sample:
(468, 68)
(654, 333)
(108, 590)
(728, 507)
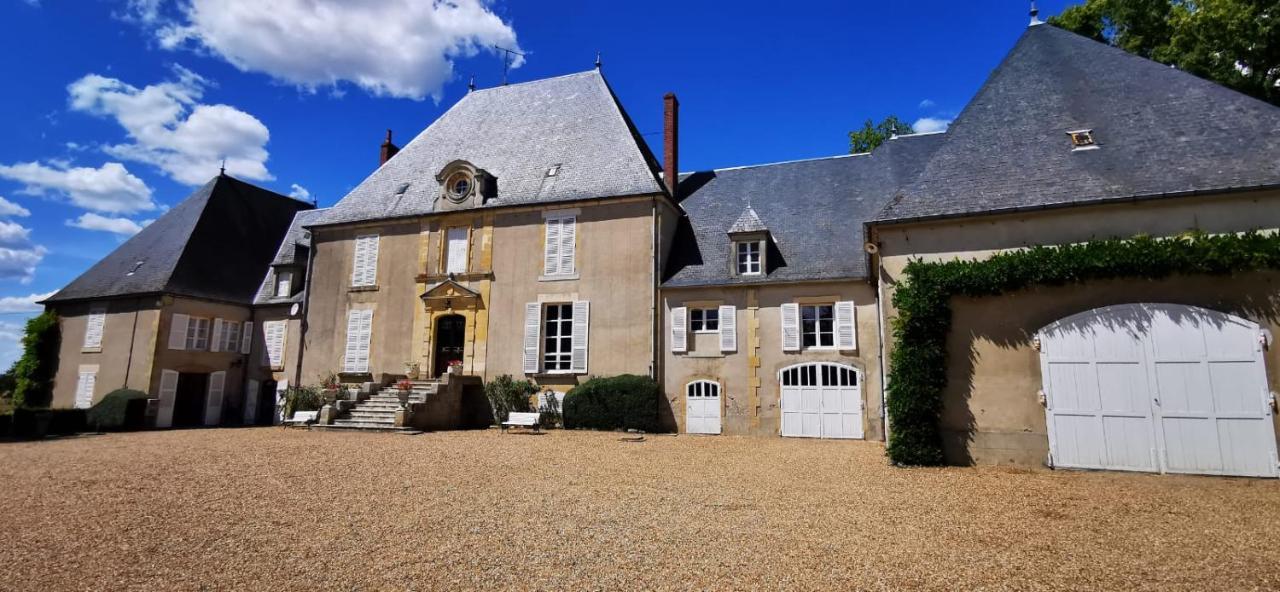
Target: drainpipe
(306, 305)
(880, 326)
(133, 335)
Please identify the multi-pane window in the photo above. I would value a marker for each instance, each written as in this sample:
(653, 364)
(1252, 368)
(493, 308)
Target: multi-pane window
(197, 334)
(704, 320)
(749, 258)
(557, 342)
(284, 284)
(817, 325)
(230, 336)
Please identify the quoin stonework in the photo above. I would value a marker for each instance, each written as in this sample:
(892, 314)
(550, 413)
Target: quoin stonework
(530, 231)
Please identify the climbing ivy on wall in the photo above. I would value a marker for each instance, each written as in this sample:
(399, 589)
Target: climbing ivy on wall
(918, 364)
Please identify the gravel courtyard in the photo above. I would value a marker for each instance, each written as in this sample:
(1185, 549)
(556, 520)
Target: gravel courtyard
(272, 508)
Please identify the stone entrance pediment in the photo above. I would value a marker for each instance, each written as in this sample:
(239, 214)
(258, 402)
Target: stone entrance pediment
(448, 295)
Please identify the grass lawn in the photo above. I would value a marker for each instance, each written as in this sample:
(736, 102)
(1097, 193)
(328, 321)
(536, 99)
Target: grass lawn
(272, 508)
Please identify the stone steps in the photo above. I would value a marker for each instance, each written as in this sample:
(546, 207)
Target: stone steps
(378, 412)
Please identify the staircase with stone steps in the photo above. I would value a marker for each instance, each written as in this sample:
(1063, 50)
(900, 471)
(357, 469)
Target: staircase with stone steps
(378, 412)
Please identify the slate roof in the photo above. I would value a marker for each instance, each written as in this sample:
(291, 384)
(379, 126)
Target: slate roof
(516, 133)
(293, 251)
(749, 221)
(215, 244)
(814, 210)
(1160, 131)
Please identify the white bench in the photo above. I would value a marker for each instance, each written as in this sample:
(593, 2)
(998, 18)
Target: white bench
(522, 420)
(303, 417)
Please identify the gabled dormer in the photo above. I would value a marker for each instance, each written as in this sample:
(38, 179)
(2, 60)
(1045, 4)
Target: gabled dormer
(464, 185)
(750, 248)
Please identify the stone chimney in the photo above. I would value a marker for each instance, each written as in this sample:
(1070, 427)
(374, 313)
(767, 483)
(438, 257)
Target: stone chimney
(388, 150)
(671, 141)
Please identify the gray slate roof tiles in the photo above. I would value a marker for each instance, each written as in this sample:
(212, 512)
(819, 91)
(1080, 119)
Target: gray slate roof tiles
(292, 253)
(1159, 131)
(516, 133)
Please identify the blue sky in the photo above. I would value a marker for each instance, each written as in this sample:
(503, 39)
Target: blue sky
(115, 110)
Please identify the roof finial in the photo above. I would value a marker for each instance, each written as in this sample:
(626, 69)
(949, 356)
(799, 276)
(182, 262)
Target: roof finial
(893, 130)
(1035, 15)
(223, 171)
(598, 62)
(471, 86)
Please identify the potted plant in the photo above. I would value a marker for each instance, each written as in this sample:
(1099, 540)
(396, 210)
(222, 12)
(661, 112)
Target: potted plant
(455, 367)
(412, 370)
(404, 387)
(331, 388)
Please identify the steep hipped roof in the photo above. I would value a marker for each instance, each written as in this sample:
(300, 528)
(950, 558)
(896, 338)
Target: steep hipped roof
(749, 221)
(215, 244)
(814, 211)
(292, 253)
(1159, 131)
(515, 133)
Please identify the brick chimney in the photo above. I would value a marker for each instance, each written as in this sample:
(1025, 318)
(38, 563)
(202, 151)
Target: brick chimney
(388, 150)
(671, 141)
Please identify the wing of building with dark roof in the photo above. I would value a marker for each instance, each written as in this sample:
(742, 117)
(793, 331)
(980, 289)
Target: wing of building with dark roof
(291, 257)
(215, 244)
(1066, 120)
(552, 140)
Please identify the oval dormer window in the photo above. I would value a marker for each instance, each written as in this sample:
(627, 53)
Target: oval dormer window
(459, 186)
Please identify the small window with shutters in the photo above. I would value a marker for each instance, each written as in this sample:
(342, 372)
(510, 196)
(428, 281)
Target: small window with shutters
(364, 263)
(197, 334)
(93, 327)
(560, 246)
(230, 336)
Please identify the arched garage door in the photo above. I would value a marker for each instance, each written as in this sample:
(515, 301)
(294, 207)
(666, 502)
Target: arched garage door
(821, 400)
(1160, 388)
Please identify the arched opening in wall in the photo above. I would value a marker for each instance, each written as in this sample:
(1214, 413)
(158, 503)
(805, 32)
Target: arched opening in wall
(451, 332)
(821, 400)
(1157, 388)
(702, 407)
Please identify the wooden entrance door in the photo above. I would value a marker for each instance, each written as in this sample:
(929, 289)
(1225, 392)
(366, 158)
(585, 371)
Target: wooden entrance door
(189, 402)
(450, 338)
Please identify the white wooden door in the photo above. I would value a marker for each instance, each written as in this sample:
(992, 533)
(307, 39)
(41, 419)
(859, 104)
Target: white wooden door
(821, 400)
(702, 407)
(1158, 388)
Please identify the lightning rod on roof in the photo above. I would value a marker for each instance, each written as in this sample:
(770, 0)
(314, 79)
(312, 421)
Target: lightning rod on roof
(506, 60)
(1035, 15)
(223, 171)
(598, 62)
(471, 86)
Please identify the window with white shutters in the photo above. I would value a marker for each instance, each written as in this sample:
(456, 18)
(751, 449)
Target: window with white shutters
(532, 330)
(178, 331)
(581, 326)
(560, 246)
(846, 327)
(215, 344)
(359, 330)
(84, 386)
(557, 338)
(704, 320)
(364, 266)
(274, 332)
(790, 313)
(197, 334)
(817, 326)
(230, 336)
(679, 329)
(246, 339)
(457, 250)
(728, 328)
(93, 327)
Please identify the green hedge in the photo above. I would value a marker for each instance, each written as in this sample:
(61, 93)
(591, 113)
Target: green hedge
(918, 364)
(619, 402)
(38, 423)
(34, 371)
(121, 409)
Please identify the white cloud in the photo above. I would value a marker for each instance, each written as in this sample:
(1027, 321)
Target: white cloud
(299, 192)
(11, 304)
(110, 188)
(8, 208)
(926, 125)
(397, 48)
(20, 263)
(13, 234)
(927, 104)
(170, 129)
(121, 226)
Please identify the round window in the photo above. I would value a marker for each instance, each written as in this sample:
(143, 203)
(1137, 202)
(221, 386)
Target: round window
(458, 187)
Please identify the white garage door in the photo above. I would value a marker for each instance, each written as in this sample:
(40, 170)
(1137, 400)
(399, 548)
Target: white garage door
(821, 400)
(702, 407)
(1158, 387)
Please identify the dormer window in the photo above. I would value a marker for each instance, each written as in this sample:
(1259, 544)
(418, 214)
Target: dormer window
(1082, 139)
(749, 259)
(459, 186)
(462, 184)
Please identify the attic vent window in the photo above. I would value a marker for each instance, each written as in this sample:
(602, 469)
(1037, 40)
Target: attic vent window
(403, 188)
(554, 170)
(135, 268)
(1082, 139)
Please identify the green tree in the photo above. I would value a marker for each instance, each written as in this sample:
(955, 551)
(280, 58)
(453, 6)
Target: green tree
(872, 135)
(39, 362)
(1235, 43)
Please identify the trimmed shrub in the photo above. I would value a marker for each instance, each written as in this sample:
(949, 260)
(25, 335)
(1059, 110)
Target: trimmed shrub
(302, 398)
(34, 371)
(38, 423)
(549, 407)
(121, 409)
(507, 395)
(626, 401)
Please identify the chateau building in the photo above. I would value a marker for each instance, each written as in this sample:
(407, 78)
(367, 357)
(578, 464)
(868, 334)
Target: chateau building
(530, 232)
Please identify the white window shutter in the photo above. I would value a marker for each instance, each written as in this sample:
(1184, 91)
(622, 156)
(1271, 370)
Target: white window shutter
(568, 244)
(457, 262)
(213, 401)
(366, 333)
(93, 329)
(178, 331)
(532, 336)
(364, 265)
(168, 394)
(728, 328)
(251, 402)
(679, 329)
(353, 336)
(581, 325)
(846, 328)
(359, 331)
(246, 338)
(273, 336)
(790, 327)
(84, 390)
(215, 345)
(551, 248)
